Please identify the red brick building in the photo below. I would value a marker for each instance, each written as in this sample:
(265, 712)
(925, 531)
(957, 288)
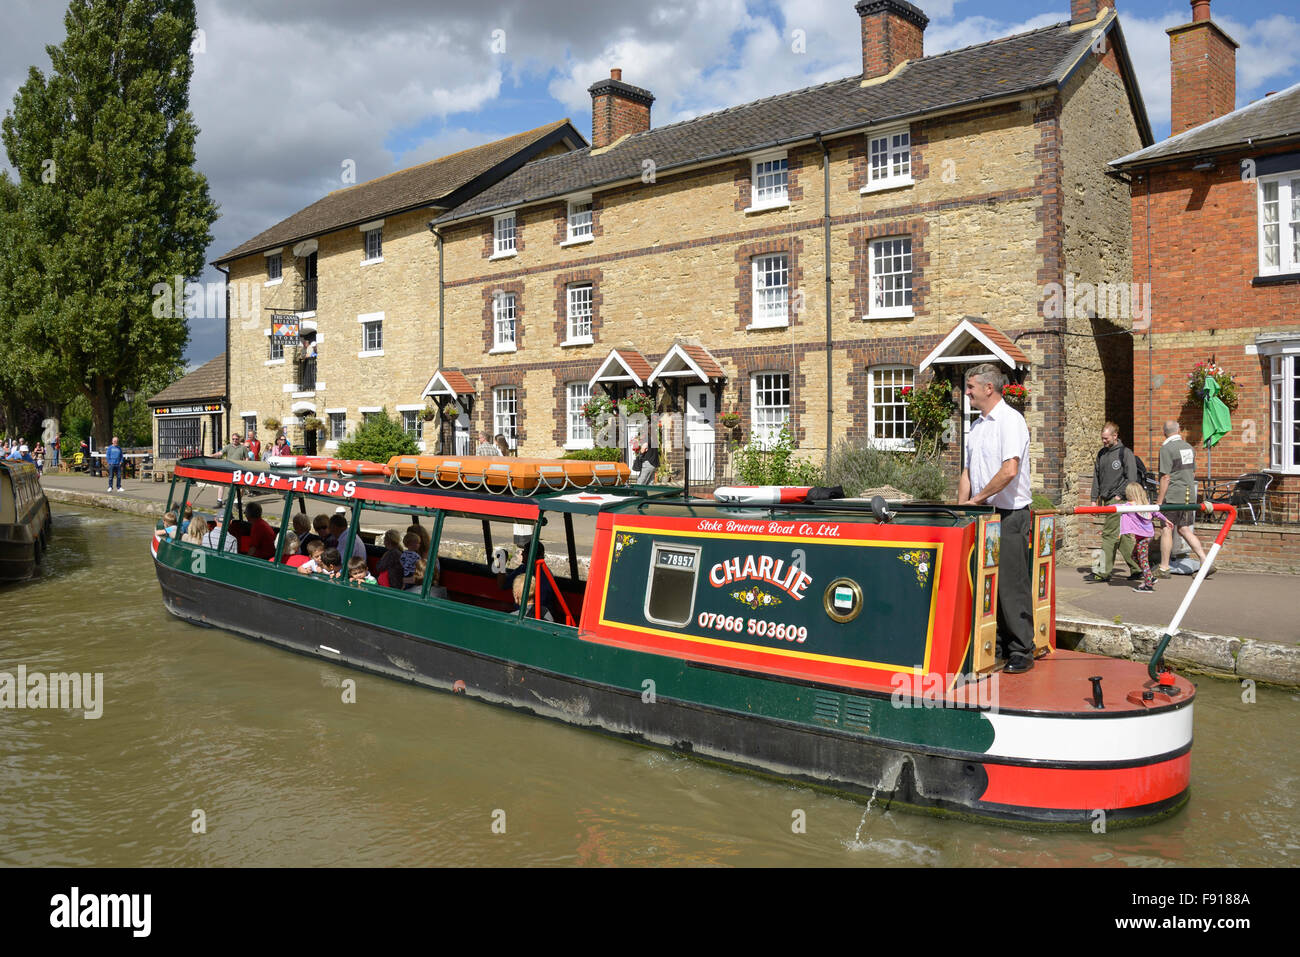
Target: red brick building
(1216, 234)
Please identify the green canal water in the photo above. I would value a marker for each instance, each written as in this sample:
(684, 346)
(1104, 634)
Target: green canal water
(259, 747)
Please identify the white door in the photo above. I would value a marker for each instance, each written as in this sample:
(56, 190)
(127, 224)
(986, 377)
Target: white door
(462, 434)
(700, 416)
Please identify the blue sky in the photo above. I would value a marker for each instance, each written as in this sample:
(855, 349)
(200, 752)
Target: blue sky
(284, 92)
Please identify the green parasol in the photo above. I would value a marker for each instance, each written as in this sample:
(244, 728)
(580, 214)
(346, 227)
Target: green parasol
(1215, 419)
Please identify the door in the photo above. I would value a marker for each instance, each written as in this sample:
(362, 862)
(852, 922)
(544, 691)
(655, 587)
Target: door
(461, 445)
(700, 433)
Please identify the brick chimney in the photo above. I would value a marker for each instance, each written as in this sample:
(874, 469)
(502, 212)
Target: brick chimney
(1203, 70)
(892, 31)
(1085, 11)
(617, 109)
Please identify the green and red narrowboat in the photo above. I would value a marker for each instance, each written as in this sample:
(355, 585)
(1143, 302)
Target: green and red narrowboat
(24, 520)
(847, 645)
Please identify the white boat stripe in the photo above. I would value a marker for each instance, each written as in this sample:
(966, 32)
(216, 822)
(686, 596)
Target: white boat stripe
(1089, 739)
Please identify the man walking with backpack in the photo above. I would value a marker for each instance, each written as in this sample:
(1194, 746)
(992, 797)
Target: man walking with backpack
(1116, 467)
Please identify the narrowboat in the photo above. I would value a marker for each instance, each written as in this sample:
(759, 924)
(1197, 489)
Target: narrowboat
(842, 644)
(24, 520)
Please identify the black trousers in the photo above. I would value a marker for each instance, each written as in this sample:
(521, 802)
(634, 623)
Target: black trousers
(1015, 597)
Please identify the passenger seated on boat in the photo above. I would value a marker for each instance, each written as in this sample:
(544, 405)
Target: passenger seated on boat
(213, 537)
(311, 565)
(507, 579)
(167, 528)
(261, 536)
(197, 530)
(425, 539)
(411, 555)
(331, 563)
(301, 524)
(517, 589)
(359, 572)
(243, 534)
(338, 536)
(187, 517)
(291, 556)
(436, 588)
(320, 529)
(390, 563)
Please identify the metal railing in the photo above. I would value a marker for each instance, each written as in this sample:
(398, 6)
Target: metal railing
(306, 295)
(307, 375)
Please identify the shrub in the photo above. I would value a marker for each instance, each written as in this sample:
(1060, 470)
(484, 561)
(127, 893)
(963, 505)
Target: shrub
(598, 454)
(378, 439)
(930, 408)
(756, 464)
(857, 466)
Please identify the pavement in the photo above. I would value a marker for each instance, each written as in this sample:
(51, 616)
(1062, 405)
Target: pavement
(1240, 624)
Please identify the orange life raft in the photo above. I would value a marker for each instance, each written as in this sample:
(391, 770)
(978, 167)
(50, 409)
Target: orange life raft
(504, 475)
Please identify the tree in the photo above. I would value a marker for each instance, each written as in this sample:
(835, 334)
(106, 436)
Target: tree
(109, 201)
(378, 439)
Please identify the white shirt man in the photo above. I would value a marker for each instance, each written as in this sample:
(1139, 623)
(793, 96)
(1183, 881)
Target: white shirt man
(997, 474)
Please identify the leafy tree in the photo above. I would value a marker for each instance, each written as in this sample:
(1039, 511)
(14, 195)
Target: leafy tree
(109, 202)
(378, 439)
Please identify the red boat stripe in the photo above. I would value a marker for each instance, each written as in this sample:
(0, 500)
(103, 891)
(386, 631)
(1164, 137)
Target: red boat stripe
(1068, 788)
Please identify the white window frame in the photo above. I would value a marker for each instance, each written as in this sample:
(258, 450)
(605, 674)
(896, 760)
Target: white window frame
(367, 321)
(272, 349)
(580, 225)
(1283, 393)
(769, 178)
(276, 258)
(505, 311)
(1287, 224)
(770, 312)
(892, 377)
(368, 230)
(578, 433)
(906, 310)
(505, 413)
(763, 413)
(578, 313)
(894, 147)
(333, 418)
(504, 236)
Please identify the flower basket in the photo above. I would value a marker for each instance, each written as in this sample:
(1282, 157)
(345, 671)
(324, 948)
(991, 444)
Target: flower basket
(930, 407)
(636, 403)
(450, 412)
(1196, 384)
(271, 423)
(1017, 395)
(730, 420)
(597, 409)
(312, 424)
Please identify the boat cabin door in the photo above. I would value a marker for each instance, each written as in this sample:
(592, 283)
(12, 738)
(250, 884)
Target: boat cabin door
(700, 416)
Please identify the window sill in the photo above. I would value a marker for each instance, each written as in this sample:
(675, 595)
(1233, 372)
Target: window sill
(309, 314)
(580, 241)
(370, 354)
(765, 207)
(273, 362)
(884, 314)
(579, 444)
(783, 324)
(503, 350)
(290, 387)
(1276, 279)
(320, 386)
(584, 341)
(302, 395)
(892, 445)
(887, 184)
(273, 282)
(510, 255)
(332, 444)
(371, 262)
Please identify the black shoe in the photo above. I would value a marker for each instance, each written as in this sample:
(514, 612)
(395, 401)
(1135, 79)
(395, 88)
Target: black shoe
(1144, 590)
(1018, 664)
(1094, 577)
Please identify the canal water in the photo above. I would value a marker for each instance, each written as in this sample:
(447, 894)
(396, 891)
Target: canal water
(216, 750)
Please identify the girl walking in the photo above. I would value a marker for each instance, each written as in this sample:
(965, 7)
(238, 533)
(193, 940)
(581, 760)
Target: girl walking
(1138, 524)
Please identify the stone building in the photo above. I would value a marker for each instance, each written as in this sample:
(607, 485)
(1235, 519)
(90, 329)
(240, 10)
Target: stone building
(190, 416)
(359, 271)
(801, 258)
(1216, 234)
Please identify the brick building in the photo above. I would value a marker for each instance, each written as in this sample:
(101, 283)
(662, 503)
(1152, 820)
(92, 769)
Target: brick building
(1216, 232)
(360, 271)
(797, 259)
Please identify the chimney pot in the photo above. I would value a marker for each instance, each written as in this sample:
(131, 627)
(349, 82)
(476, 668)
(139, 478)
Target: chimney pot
(616, 74)
(1200, 10)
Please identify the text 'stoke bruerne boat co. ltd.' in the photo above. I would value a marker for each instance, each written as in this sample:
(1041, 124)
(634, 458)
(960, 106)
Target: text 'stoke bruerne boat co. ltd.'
(847, 645)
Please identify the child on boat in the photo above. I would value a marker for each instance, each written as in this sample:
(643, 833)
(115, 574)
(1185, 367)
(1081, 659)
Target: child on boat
(411, 557)
(1138, 524)
(391, 561)
(359, 572)
(312, 565)
(330, 563)
(517, 589)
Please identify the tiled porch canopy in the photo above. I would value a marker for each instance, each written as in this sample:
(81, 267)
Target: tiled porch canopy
(973, 341)
(687, 361)
(623, 366)
(448, 383)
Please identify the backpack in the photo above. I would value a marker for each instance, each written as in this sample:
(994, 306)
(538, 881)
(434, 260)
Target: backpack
(1144, 478)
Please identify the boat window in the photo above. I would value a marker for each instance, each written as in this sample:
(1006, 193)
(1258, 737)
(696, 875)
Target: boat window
(670, 594)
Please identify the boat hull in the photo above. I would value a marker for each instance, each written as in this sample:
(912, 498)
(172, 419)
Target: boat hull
(747, 724)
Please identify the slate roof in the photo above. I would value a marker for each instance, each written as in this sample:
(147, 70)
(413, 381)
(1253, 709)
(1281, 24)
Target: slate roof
(1029, 61)
(1273, 118)
(407, 189)
(208, 381)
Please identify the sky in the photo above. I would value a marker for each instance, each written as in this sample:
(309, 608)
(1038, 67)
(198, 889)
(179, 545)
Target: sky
(286, 92)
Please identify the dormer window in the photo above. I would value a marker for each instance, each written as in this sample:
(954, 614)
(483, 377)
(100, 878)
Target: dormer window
(889, 160)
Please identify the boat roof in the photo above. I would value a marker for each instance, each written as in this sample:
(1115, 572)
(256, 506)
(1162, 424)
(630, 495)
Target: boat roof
(638, 500)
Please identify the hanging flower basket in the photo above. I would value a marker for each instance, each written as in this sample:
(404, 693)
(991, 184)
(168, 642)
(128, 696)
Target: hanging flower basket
(597, 409)
(312, 424)
(636, 403)
(450, 412)
(271, 423)
(1017, 395)
(1196, 384)
(730, 420)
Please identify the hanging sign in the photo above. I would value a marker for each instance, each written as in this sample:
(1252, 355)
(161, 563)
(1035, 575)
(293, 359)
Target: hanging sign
(284, 328)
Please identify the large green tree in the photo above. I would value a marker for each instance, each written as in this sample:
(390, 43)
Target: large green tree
(110, 203)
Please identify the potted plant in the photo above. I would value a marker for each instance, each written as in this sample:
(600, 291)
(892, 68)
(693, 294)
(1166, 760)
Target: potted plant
(312, 424)
(451, 411)
(636, 403)
(1211, 370)
(730, 419)
(1016, 395)
(271, 423)
(597, 409)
